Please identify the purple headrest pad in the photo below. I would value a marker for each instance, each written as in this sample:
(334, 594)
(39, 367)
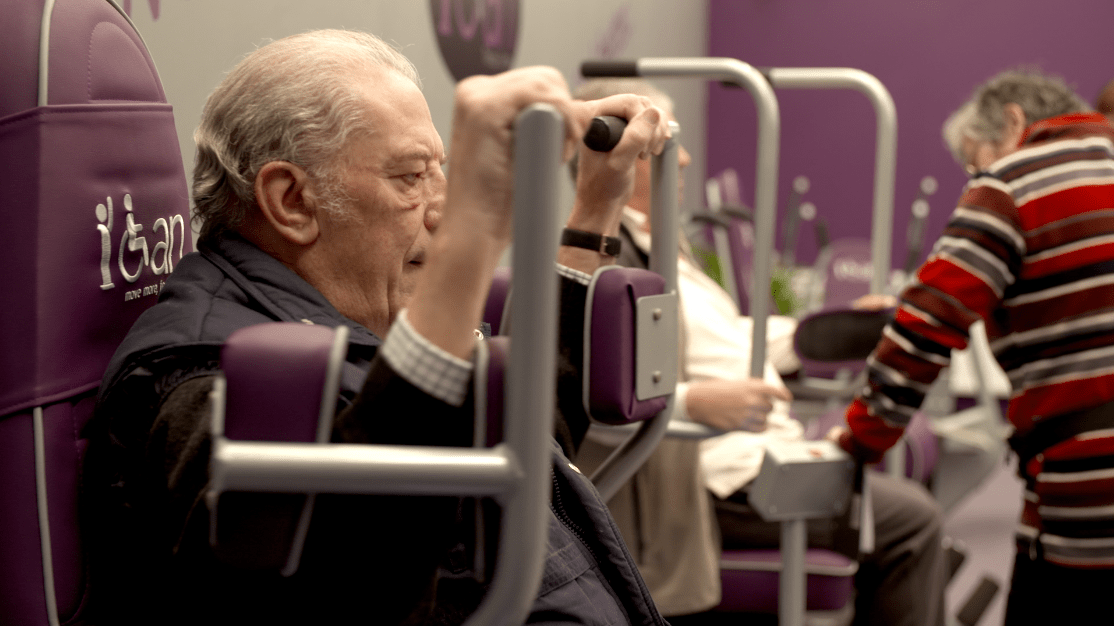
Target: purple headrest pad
(611, 380)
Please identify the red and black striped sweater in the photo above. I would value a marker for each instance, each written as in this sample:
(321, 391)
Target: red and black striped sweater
(1029, 250)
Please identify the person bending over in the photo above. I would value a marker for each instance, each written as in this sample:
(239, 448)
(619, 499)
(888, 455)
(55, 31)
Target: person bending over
(1028, 251)
(321, 197)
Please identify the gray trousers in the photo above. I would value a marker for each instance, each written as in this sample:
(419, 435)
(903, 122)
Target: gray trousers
(902, 582)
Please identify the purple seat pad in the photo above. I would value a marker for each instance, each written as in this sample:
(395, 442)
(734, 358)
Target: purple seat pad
(756, 590)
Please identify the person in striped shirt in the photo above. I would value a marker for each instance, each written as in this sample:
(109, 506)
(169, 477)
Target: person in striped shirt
(1029, 250)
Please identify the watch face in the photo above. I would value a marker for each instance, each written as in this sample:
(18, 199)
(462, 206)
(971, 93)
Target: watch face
(476, 36)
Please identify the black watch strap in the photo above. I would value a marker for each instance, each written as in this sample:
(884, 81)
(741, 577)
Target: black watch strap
(607, 246)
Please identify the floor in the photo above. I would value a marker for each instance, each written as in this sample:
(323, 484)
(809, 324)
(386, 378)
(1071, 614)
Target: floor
(984, 522)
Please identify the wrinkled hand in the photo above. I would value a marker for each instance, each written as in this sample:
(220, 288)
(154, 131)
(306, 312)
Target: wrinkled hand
(481, 161)
(733, 404)
(605, 180)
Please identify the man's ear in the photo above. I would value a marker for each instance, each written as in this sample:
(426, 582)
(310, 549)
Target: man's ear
(285, 197)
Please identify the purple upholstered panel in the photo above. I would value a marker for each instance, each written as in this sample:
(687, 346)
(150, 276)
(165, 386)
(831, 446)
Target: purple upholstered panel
(497, 298)
(756, 590)
(275, 376)
(611, 380)
(740, 238)
(848, 272)
(65, 451)
(498, 350)
(96, 208)
(95, 55)
(19, 53)
(88, 184)
(21, 598)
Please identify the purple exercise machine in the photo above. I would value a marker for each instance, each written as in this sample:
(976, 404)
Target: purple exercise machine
(98, 213)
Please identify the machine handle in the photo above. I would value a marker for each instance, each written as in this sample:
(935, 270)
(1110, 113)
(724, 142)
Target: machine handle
(604, 132)
(609, 69)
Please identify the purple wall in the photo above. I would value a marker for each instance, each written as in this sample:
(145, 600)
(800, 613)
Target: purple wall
(929, 54)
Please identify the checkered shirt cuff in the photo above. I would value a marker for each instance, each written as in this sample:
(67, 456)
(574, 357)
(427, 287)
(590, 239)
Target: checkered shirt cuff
(425, 365)
(572, 274)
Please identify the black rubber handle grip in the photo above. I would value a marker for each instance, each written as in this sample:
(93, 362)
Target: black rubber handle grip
(606, 69)
(604, 132)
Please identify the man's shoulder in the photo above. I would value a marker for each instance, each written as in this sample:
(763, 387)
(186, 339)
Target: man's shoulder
(195, 313)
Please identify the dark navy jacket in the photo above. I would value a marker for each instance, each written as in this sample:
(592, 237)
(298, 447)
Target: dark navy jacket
(369, 559)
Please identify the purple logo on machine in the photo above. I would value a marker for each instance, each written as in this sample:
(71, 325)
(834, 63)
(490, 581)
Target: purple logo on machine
(476, 36)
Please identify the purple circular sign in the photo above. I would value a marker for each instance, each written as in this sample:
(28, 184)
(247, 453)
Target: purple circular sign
(476, 36)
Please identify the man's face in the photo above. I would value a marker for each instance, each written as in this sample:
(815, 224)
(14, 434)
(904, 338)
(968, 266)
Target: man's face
(395, 192)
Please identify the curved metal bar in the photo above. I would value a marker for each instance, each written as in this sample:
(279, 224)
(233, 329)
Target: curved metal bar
(39, 432)
(625, 460)
(531, 373)
(278, 467)
(885, 161)
(765, 187)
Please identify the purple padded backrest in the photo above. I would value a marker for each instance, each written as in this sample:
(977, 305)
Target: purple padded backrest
(848, 271)
(97, 217)
(610, 354)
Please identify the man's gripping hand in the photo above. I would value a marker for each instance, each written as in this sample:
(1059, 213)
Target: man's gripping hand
(605, 180)
(481, 160)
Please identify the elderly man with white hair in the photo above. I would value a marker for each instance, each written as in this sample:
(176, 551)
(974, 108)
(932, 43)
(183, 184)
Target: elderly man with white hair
(320, 190)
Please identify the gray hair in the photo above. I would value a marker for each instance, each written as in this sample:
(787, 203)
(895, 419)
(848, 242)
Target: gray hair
(296, 100)
(982, 118)
(600, 88)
